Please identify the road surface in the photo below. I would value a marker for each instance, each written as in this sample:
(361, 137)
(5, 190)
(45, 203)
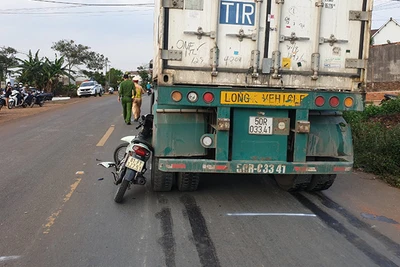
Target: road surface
(56, 210)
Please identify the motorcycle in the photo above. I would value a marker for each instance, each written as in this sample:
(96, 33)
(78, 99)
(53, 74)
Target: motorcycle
(16, 99)
(130, 158)
(388, 97)
(34, 99)
(2, 101)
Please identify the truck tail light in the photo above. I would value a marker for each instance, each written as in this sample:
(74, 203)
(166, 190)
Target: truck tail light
(176, 96)
(208, 97)
(320, 101)
(334, 101)
(140, 151)
(348, 102)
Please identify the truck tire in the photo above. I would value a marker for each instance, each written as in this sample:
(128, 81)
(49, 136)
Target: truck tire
(321, 182)
(293, 182)
(160, 181)
(188, 181)
(119, 195)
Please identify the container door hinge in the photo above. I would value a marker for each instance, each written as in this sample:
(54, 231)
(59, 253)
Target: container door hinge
(241, 35)
(214, 52)
(255, 59)
(331, 40)
(359, 15)
(171, 55)
(293, 38)
(200, 33)
(355, 63)
(175, 4)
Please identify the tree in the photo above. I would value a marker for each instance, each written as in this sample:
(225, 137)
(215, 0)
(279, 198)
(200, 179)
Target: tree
(31, 70)
(145, 75)
(52, 71)
(7, 60)
(114, 76)
(95, 75)
(74, 54)
(78, 55)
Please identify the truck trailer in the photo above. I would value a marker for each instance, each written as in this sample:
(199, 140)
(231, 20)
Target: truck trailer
(257, 88)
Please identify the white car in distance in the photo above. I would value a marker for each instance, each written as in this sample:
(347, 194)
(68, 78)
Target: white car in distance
(88, 88)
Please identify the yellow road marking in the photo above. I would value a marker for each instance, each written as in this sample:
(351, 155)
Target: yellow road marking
(104, 139)
(51, 220)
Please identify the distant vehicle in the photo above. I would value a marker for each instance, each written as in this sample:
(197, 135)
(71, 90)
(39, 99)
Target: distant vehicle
(89, 88)
(111, 90)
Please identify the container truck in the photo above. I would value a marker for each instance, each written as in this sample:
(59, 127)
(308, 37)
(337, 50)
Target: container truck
(257, 88)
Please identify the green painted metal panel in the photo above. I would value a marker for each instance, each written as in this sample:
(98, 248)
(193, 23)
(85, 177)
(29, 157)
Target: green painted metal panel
(222, 148)
(178, 134)
(247, 146)
(254, 167)
(300, 139)
(330, 136)
(260, 97)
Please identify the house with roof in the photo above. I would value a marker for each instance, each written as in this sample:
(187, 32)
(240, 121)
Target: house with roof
(387, 34)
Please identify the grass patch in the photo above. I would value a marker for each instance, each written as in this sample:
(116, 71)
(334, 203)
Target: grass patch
(376, 134)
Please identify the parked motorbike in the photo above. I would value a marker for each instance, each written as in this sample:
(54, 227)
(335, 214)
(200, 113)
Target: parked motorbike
(2, 101)
(16, 99)
(388, 97)
(130, 158)
(35, 99)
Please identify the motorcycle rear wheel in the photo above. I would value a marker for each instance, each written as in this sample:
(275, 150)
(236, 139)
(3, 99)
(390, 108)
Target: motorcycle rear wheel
(10, 105)
(119, 195)
(33, 102)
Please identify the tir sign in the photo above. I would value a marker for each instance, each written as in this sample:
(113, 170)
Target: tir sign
(237, 13)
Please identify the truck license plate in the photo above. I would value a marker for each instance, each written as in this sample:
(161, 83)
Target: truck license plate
(260, 125)
(134, 164)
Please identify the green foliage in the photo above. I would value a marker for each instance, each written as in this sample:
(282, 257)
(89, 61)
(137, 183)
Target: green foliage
(95, 75)
(376, 134)
(145, 75)
(7, 59)
(115, 77)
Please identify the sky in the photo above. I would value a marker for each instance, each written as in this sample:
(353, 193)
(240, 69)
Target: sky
(122, 34)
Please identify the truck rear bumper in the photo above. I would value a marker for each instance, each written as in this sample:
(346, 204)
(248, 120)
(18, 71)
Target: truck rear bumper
(253, 167)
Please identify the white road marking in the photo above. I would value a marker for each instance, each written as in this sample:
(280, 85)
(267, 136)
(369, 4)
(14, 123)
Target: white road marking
(273, 214)
(9, 258)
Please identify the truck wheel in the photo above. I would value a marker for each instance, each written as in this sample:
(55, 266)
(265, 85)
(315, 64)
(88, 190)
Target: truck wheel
(119, 195)
(293, 182)
(188, 181)
(321, 182)
(160, 181)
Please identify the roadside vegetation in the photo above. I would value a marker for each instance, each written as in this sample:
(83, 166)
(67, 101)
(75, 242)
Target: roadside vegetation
(376, 133)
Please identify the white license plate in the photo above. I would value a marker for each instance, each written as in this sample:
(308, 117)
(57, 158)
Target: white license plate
(260, 125)
(134, 164)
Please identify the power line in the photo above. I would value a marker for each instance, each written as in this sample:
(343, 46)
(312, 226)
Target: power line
(92, 4)
(71, 13)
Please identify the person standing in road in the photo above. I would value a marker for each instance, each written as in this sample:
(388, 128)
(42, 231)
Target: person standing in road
(137, 100)
(8, 92)
(125, 95)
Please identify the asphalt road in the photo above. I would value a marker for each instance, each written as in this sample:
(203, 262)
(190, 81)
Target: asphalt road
(57, 211)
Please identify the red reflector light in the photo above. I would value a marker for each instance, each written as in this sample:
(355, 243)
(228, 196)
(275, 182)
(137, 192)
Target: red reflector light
(140, 151)
(208, 97)
(221, 167)
(178, 166)
(334, 101)
(339, 169)
(320, 101)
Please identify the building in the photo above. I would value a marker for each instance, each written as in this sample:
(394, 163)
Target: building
(387, 34)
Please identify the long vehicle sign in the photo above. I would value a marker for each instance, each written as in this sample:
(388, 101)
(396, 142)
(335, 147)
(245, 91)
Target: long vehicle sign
(262, 98)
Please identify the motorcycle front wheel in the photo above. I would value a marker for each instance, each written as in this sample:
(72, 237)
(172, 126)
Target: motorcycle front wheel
(119, 195)
(10, 105)
(119, 153)
(33, 102)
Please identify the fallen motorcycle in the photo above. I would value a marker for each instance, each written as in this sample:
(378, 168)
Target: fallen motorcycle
(388, 97)
(130, 158)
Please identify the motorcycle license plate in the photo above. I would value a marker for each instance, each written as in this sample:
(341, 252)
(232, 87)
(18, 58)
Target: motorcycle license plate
(134, 164)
